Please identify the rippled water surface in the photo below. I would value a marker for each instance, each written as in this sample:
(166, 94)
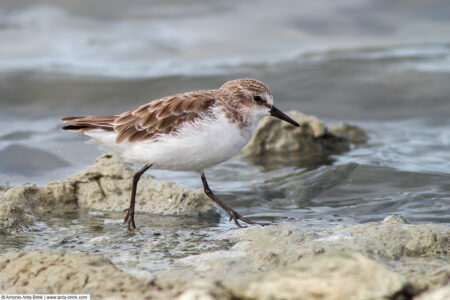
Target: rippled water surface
(380, 65)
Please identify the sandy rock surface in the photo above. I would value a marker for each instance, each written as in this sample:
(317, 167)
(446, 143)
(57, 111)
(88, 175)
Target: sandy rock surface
(370, 261)
(328, 277)
(58, 273)
(442, 293)
(106, 185)
(383, 260)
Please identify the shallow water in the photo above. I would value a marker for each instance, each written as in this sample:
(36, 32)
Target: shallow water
(382, 66)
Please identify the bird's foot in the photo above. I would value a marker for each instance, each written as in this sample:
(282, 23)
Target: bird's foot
(235, 216)
(129, 218)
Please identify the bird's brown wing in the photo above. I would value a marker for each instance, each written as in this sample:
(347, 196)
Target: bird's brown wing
(149, 120)
(162, 116)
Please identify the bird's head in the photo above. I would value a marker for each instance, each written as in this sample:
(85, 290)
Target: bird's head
(255, 97)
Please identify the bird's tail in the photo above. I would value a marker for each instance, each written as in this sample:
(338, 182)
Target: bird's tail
(82, 124)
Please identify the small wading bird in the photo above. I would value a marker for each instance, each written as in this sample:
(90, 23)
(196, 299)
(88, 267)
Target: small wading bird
(184, 132)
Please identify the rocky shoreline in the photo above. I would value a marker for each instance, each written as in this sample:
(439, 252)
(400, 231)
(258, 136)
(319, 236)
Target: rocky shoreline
(390, 259)
(384, 260)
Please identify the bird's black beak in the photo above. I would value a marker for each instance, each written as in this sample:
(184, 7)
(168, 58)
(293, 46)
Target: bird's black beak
(275, 112)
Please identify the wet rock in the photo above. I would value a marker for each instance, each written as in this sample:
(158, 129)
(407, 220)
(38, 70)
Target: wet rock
(19, 204)
(61, 273)
(13, 216)
(104, 186)
(55, 195)
(312, 137)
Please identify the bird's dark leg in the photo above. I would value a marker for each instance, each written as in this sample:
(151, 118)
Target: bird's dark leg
(129, 217)
(233, 214)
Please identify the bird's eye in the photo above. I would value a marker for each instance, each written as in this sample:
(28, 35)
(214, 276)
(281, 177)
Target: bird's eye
(257, 98)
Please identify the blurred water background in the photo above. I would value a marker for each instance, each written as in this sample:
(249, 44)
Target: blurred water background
(383, 65)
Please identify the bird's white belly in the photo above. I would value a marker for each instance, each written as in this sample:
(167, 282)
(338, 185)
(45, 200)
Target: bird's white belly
(195, 147)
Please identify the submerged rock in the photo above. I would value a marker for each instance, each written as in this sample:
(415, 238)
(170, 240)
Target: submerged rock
(104, 186)
(274, 136)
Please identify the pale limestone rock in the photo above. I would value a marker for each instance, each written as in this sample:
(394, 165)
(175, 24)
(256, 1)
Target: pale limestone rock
(265, 254)
(19, 204)
(442, 293)
(106, 185)
(328, 277)
(61, 273)
(41, 199)
(205, 290)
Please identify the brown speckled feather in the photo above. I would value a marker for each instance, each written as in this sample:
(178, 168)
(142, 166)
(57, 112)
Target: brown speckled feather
(147, 121)
(89, 123)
